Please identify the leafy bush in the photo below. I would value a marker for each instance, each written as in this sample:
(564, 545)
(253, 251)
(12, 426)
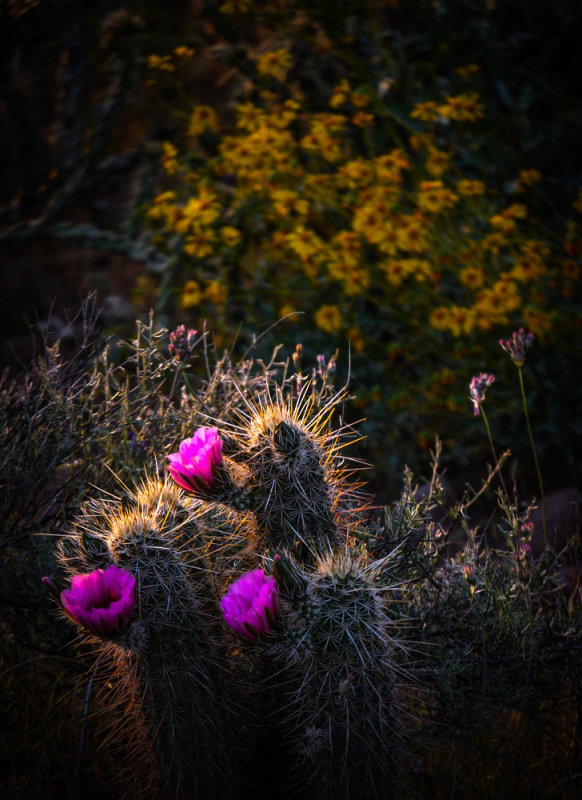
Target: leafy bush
(335, 191)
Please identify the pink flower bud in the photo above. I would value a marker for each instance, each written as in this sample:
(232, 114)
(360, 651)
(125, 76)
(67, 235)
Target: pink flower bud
(197, 464)
(477, 389)
(517, 346)
(102, 601)
(251, 604)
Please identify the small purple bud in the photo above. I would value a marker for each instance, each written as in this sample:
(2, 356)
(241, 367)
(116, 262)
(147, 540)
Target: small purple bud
(517, 346)
(477, 389)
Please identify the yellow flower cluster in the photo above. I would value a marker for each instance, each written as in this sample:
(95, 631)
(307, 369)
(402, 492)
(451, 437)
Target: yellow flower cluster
(324, 137)
(464, 107)
(255, 156)
(294, 191)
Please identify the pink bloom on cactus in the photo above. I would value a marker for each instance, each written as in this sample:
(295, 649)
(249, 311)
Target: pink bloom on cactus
(251, 604)
(477, 389)
(516, 346)
(102, 601)
(196, 466)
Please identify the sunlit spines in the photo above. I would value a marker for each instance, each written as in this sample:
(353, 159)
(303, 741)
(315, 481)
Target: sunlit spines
(295, 474)
(342, 714)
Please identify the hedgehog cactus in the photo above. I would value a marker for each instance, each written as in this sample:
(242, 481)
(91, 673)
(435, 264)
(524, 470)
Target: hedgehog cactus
(293, 473)
(314, 643)
(341, 704)
(170, 650)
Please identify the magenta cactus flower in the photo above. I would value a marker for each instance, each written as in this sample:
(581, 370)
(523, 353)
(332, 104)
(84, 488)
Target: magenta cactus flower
(102, 601)
(251, 604)
(477, 389)
(198, 463)
(517, 346)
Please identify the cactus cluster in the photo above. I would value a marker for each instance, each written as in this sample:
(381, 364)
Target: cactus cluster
(260, 648)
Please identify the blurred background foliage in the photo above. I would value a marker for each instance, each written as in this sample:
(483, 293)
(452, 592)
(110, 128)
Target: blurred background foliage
(399, 180)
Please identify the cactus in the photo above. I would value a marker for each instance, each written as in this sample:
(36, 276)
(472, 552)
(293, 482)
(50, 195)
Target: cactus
(319, 682)
(340, 706)
(169, 656)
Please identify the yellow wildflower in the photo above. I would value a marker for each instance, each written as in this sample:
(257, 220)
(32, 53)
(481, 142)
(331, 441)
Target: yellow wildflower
(437, 163)
(284, 114)
(458, 320)
(439, 318)
(200, 243)
(230, 236)
(191, 295)
(275, 63)
(426, 112)
(462, 107)
(388, 241)
(328, 318)
(215, 292)
(203, 118)
(169, 158)
(577, 204)
(534, 248)
(504, 295)
(350, 243)
(362, 119)
(397, 271)
(528, 268)
(435, 197)
(528, 177)
(472, 277)
(347, 270)
(356, 173)
(340, 94)
(184, 52)
(494, 242)
(461, 320)
(287, 310)
(471, 188)
(411, 235)
(504, 224)
(201, 210)
(162, 63)
(286, 202)
(304, 242)
(249, 117)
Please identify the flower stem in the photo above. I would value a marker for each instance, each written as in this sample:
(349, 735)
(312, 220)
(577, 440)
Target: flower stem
(535, 455)
(486, 421)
